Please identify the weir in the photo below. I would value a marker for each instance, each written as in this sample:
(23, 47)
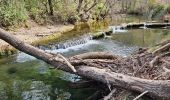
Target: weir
(115, 29)
(112, 30)
(73, 42)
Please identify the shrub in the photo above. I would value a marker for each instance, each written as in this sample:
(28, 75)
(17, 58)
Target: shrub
(12, 12)
(159, 10)
(168, 9)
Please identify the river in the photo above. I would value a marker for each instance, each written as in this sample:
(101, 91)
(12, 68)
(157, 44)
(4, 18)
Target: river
(23, 77)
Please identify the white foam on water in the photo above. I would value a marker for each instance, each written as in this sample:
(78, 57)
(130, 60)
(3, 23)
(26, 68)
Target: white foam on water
(73, 48)
(117, 29)
(23, 57)
(144, 26)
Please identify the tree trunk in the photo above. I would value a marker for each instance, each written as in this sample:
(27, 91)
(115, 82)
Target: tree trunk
(155, 88)
(51, 7)
(79, 6)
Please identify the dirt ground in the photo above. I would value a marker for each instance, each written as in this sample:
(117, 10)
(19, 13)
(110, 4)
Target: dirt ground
(35, 32)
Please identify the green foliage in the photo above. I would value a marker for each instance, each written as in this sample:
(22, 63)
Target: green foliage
(158, 11)
(155, 11)
(149, 9)
(37, 10)
(168, 9)
(64, 9)
(18, 12)
(12, 12)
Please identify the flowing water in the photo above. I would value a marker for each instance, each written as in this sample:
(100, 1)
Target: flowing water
(23, 77)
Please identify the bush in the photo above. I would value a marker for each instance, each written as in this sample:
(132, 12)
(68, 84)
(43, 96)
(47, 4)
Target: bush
(17, 12)
(136, 11)
(12, 12)
(168, 9)
(159, 10)
(37, 10)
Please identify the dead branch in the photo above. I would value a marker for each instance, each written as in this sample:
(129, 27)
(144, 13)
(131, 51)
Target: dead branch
(161, 49)
(167, 71)
(110, 96)
(167, 62)
(96, 55)
(79, 5)
(68, 63)
(58, 57)
(154, 61)
(163, 43)
(139, 96)
(93, 5)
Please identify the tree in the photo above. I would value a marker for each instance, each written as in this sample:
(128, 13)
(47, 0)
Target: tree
(83, 8)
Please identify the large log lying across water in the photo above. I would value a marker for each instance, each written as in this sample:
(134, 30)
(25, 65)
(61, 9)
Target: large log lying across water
(84, 66)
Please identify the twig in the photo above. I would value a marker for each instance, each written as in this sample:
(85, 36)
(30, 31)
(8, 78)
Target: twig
(139, 96)
(108, 84)
(163, 43)
(66, 61)
(111, 68)
(163, 74)
(108, 97)
(155, 60)
(139, 69)
(161, 49)
(167, 62)
(56, 56)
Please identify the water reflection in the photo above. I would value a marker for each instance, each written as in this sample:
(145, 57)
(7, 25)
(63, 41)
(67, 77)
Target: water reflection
(142, 37)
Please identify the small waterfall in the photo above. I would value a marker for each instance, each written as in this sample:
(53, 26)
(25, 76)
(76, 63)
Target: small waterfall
(72, 43)
(144, 25)
(114, 29)
(117, 29)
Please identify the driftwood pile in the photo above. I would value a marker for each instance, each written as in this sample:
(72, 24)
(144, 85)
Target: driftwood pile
(144, 72)
(145, 65)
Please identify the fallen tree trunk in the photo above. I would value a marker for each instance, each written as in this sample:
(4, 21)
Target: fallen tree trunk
(155, 88)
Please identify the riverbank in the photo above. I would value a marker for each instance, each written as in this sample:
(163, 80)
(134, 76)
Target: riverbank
(42, 35)
(34, 34)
